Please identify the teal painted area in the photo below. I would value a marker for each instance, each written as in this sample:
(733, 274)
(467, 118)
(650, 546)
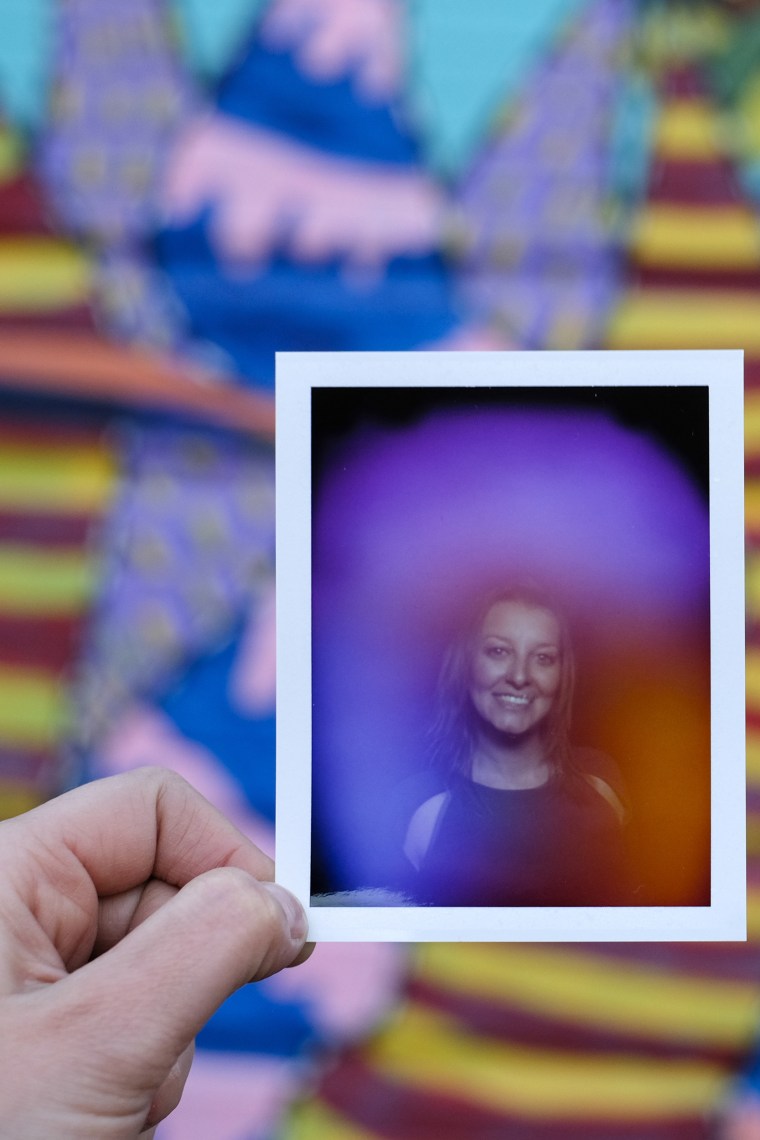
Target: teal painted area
(749, 176)
(214, 30)
(26, 38)
(468, 59)
(631, 139)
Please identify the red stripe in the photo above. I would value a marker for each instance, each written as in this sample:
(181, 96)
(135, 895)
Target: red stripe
(48, 530)
(35, 768)
(699, 183)
(722, 961)
(82, 430)
(77, 317)
(751, 372)
(682, 83)
(501, 1021)
(655, 276)
(398, 1112)
(39, 642)
(22, 207)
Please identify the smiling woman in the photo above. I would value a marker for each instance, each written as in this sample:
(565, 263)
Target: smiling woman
(523, 818)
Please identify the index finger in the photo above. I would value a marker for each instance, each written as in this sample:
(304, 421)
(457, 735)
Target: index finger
(126, 829)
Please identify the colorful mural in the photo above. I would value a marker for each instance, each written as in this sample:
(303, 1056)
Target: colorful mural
(186, 188)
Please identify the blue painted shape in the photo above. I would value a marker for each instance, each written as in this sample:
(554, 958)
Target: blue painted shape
(253, 1022)
(287, 305)
(631, 135)
(749, 177)
(26, 45)
(468, 60)
(268, 89)
(213, 31)
(199, 706)
(303, 308)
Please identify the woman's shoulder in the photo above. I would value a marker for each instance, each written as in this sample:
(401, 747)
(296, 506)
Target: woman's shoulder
(423, 826)
(601, 775)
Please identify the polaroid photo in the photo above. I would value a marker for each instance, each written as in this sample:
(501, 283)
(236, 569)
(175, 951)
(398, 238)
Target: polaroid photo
(510, 645)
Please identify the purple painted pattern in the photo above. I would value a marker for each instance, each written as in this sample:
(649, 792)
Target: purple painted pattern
(119, 96)
(190, 550)
(539, 257)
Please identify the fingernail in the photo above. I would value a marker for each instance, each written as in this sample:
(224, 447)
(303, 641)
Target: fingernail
(298, 924)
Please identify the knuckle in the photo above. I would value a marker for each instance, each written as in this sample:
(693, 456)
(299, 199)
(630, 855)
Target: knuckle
(161, 778)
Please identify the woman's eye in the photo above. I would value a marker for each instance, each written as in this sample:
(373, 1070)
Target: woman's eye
(495, 651)
(547, 659)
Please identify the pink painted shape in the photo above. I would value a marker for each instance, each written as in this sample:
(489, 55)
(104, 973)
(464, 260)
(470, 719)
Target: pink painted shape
(233, 1096)
(349, 987)
(740, 1119)
(335, 38)
(269, 193)
(145, 735)
(252, 684)
(473, 338)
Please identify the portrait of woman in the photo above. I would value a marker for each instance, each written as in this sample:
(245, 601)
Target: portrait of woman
(523, 816)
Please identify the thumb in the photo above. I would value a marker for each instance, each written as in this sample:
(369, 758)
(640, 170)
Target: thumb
(147, 997)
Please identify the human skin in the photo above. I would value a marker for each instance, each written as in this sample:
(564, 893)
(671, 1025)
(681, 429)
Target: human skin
(516, 666)
(130, 909)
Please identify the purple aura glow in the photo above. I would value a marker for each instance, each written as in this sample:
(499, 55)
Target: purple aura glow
(412, 525)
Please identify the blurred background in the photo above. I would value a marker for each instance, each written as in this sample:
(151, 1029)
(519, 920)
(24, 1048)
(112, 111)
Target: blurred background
(186, 187)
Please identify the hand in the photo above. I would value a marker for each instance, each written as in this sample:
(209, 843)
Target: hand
(129, 910)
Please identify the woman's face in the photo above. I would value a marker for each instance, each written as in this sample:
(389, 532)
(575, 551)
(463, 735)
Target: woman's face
(516, 666)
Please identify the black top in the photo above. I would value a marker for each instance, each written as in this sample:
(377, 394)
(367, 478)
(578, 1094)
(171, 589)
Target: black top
(556, 845)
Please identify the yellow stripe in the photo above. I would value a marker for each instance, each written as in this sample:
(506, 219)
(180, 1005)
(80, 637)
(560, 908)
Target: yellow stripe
(424, 1050)
(681, 33)
(753, 835)
(314, 1121)
(55, 479)
(45, 582)
(752, 426)
(749, 119)
(695, 237)
(753, 757)
(753, 914)
(33, 708)
(41, 274)
(585, 988)
(16, 798)
(688, 129)
(683, 318)
(752, 504)
(11, 155)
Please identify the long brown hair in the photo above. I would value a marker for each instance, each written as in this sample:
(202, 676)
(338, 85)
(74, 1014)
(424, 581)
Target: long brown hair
(453, 731)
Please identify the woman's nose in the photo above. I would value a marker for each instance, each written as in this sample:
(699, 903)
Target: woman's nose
(517, 670)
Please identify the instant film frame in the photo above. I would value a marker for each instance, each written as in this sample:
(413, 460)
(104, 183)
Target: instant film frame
(377, 455)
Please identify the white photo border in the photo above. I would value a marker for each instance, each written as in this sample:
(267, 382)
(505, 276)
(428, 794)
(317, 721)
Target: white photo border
(721, 371)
